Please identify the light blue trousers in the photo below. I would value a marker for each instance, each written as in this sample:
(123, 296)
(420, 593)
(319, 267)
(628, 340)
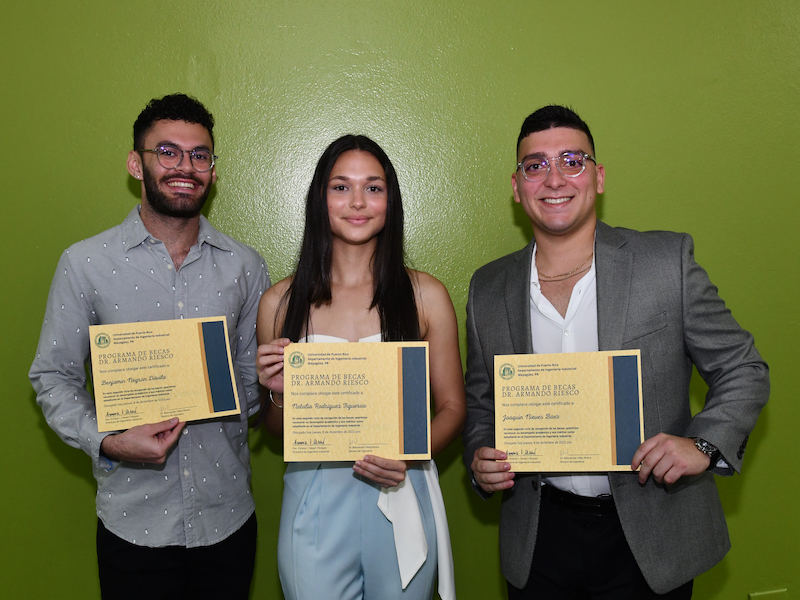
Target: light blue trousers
(335, 543)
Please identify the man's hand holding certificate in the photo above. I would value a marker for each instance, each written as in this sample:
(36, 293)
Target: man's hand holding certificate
(571, 412)
(344, 400)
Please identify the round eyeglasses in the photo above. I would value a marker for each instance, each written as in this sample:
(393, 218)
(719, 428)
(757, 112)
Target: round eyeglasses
(569, 164)
(171, 157)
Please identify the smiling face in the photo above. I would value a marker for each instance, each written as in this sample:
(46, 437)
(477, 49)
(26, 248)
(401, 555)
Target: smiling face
(558, 205)
(356, 197)
(179, 192)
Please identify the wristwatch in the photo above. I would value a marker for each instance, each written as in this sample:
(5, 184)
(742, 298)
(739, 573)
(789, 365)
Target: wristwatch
(709, 450)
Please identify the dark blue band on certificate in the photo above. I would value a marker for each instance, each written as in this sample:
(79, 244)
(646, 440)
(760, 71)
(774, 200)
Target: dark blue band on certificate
(219, 375)
(626, 407)
(415, 398)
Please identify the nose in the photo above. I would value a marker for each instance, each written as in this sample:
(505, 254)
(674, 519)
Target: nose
(357, 200)
(554, 178)
(185, 164)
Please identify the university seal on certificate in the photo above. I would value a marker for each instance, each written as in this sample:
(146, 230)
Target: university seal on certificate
(344, 400)
(155, 370)
(572, 412)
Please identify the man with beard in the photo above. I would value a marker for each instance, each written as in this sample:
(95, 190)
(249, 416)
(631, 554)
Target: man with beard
(173, 499)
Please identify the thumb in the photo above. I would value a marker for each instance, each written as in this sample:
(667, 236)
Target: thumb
(164, 425)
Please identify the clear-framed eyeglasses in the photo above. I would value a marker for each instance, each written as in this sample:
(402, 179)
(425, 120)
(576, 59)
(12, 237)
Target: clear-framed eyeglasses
(171, 157)
(569, 164)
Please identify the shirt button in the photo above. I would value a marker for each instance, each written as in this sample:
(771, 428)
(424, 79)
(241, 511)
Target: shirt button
(566, 332)
(152, 241)
(186, 472)
(169, 267)
(180, 304)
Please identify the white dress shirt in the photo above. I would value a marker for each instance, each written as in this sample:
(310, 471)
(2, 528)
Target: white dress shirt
(576, 332)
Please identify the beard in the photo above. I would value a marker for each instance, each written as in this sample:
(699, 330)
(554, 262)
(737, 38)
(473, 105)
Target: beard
(181, 207)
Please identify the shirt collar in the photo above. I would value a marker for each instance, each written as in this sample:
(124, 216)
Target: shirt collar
(580, 286)
(209, 235)
(535, 272)
(134, 232)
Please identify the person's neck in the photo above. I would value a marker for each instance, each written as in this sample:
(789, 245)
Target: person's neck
(351, 266)
(560, 254)
(178, 234)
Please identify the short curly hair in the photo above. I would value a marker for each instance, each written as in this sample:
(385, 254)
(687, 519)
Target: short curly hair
(174, 107)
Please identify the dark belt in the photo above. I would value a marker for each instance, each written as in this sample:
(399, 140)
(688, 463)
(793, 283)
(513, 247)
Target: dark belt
(598, 506)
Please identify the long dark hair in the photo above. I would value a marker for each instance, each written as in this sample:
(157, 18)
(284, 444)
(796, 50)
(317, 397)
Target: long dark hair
(311, 287)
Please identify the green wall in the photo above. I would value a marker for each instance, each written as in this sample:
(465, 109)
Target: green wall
(694, 107)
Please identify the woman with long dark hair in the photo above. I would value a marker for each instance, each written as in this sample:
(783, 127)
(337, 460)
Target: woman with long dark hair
(336, 539)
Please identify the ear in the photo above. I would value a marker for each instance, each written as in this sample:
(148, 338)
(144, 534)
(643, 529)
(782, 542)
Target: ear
(213, 175)
(601, 178)
(135, 164)
(514, 186)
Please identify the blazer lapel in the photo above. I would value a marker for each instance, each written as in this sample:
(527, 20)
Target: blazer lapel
(517, 300)
(614, 264)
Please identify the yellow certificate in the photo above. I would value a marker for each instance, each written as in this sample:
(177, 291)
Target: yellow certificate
(155, 370)
(574, 412)
(344, 400)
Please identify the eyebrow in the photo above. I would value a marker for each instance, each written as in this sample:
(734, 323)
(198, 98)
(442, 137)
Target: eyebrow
(544, 155)
(370, 178)
(169, 143)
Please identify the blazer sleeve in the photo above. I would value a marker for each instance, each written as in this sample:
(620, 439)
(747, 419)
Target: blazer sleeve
(479, 429)
(726, 358)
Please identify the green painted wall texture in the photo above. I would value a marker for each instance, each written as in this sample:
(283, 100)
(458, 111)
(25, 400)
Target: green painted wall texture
(694, 107)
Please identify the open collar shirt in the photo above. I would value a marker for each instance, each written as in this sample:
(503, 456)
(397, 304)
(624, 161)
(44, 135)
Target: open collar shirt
(201, 494)
(575, 332)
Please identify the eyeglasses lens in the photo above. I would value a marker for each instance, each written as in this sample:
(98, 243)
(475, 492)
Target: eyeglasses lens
(569, 165)
(171, 156)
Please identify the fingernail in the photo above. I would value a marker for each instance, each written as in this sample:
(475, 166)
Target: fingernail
(173, 420)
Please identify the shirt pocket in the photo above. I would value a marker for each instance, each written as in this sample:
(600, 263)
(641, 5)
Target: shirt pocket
(223, 303)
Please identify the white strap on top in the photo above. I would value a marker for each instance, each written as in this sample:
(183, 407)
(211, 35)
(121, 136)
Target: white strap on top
(399, 505)
(321, 338)
(447, 578)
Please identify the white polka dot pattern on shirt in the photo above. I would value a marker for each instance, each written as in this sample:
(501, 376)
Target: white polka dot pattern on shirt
(216, 285)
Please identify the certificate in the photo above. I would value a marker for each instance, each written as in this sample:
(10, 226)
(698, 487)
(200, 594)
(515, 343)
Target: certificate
(344, 400)
(155, 370)
(572, 412)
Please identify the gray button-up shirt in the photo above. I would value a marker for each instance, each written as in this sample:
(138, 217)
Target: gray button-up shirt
(201, 494)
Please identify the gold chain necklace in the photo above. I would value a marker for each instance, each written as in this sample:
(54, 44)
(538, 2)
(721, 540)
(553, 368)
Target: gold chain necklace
(566, 275)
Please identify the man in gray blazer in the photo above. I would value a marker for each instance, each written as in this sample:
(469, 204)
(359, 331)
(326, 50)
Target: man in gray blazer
(583, 286)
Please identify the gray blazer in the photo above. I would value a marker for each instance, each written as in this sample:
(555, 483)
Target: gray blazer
(651, 295)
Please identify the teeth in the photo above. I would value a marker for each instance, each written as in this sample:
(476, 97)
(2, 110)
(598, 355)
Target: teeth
(181, 184)
(555, 200)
